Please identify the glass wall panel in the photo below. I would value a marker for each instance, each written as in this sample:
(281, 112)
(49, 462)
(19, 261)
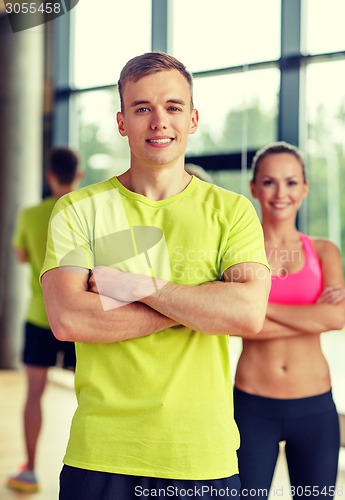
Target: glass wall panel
(325, 26)
(106, 34)
(237, 111)
(325, 100)
(237, 180)
(104, 152)
(223, 33)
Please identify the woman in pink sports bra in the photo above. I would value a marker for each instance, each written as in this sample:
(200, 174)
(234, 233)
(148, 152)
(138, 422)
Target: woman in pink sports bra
(282, 384)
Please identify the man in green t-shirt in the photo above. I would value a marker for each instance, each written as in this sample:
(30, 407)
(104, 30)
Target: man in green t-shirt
(149, 273)
(41, 348)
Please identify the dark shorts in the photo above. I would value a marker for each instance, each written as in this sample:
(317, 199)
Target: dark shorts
(41, 348)
(81, 484)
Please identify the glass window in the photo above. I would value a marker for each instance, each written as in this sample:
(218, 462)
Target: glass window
(325, 26)
(325, 147)
(235, 111)
(333, 346)
(223, 33)
(104, 152)
(325, 93)
(233, 180)
(106, 36)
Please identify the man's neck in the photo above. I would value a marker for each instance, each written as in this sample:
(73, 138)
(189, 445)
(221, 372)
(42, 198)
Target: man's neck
(59, 191)
(157, 183)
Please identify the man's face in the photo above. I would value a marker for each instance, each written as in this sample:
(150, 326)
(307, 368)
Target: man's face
(157, 118)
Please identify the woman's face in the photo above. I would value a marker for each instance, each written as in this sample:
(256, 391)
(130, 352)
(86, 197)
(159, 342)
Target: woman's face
(279, 185)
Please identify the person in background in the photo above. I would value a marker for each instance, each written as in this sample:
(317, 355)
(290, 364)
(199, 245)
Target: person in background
(41, 348)
(198, 171)
(149, 273)
(282, 384)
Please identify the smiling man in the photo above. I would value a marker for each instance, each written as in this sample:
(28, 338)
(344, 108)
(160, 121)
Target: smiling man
(149, 273)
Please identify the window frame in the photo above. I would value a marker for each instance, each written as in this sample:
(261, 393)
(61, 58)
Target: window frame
(291, 66)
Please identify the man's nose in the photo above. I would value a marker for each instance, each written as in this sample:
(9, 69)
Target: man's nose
(158, 121)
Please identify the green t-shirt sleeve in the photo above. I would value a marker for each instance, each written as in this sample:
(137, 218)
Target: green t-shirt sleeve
(245, 241)
(19, 235)
(68, 242)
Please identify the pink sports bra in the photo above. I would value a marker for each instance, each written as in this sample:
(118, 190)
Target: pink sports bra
(302, 287)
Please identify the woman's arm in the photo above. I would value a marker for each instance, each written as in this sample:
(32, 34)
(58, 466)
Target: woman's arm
(328, 313)
(273, 330)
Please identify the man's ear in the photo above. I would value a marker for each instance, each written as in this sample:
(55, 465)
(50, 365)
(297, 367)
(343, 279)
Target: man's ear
(194, 121)
(49, 176)
(253, 189)
(121, 123)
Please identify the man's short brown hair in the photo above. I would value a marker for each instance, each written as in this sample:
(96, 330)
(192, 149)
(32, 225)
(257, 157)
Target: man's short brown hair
(147, 64)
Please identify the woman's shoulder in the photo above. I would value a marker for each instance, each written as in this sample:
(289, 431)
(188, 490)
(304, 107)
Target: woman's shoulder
(324, 247)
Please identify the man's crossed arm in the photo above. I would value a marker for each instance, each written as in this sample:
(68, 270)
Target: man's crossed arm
(111, 305)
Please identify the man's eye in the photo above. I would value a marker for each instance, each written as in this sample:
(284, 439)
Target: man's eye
(142, 110)
(174, 108)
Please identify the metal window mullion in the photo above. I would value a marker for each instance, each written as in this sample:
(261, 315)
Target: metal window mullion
(159, 40)
(61, 73)
(289, 101)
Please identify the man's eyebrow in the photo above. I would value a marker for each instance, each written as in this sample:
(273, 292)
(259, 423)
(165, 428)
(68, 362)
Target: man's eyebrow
(140, 102)
(177, 101)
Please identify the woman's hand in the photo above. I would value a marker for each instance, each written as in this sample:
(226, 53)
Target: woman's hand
(332, 294)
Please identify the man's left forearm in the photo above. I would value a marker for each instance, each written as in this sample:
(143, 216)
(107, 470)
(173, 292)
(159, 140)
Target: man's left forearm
(215, 308)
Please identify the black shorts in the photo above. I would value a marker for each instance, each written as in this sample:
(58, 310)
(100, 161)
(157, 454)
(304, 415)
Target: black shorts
(81, 484)
(41, 348)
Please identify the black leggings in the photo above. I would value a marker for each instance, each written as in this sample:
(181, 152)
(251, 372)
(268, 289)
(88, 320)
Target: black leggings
(310, 428)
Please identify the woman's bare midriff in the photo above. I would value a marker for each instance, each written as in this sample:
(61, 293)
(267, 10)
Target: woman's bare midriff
(283, 368)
